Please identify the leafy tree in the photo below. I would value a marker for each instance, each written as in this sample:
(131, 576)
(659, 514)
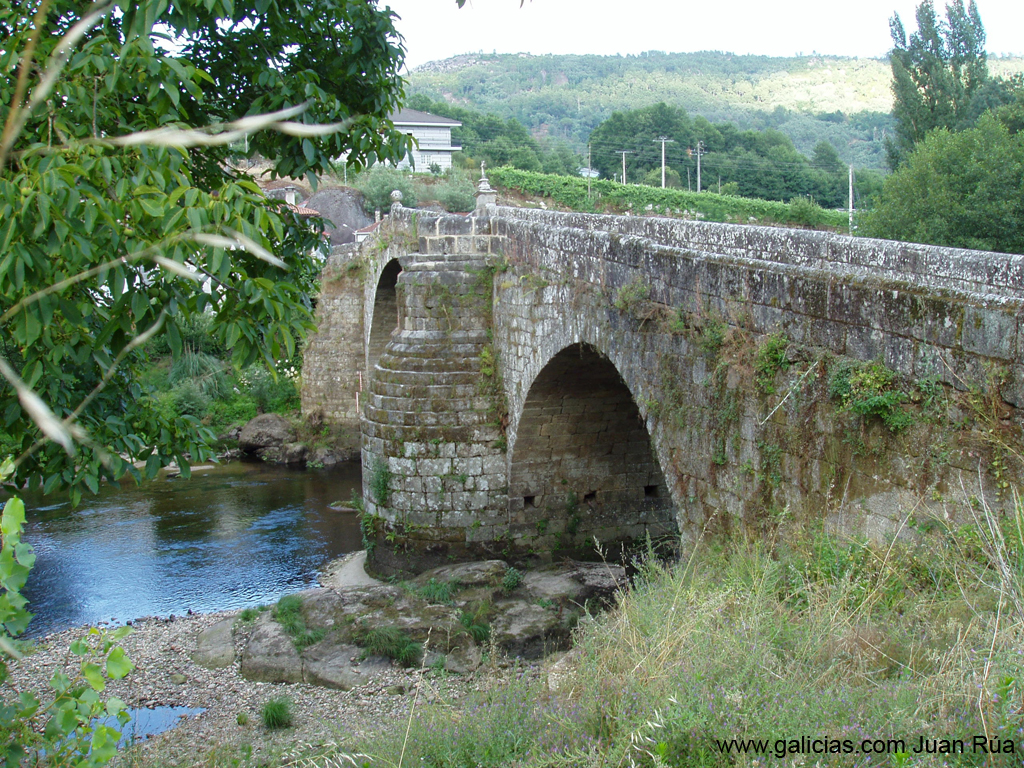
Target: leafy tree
(826, 158)
(959, 189)
(635, 131)
(940, 75)
(121, 216)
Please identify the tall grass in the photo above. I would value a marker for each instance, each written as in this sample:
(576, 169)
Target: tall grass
(819, 637)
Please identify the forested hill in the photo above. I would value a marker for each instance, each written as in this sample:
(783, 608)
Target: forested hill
(843, 100)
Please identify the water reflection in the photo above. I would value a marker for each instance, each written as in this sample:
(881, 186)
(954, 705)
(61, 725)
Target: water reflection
(232, 536)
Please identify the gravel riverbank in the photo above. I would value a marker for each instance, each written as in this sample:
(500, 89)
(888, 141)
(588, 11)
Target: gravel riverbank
(165, 675)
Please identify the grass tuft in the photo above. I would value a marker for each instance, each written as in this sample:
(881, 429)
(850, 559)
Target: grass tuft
(288, 613)
(277, 713)
(392, 643)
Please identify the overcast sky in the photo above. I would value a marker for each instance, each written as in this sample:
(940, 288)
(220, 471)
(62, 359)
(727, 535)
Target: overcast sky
(438, 29)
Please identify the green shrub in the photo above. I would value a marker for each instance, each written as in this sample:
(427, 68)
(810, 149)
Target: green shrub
(805, 212)
(238, 409)
(456, 193)
(272, 394)
(512, 579)
(277, 713)
(378, 182)
(188, 399)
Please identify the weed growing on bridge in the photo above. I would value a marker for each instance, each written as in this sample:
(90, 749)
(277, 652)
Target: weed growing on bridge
(380, 482)
(631, 297)
(769, 360)
(870, 390)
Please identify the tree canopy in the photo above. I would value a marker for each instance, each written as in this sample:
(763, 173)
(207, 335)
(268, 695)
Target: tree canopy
(121, 216)
(762, 164)
(940, 75)
(961, 189)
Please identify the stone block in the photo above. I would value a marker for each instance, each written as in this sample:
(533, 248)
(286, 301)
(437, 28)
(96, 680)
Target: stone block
(990, 332)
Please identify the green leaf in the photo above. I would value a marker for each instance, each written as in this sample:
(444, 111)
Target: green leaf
(93, 675)
(118, 664)
(152, 207)
(13, 517)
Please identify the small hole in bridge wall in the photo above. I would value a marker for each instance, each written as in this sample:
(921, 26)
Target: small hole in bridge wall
(529, 501)
(590, 496)
(651, 492)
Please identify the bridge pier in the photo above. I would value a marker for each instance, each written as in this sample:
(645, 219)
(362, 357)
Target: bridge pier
(433, 452)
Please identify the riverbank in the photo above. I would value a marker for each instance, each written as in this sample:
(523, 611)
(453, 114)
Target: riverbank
(870, 646)
(166, 676)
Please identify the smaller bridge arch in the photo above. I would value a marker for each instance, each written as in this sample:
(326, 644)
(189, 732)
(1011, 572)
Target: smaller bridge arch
(582, 465)
(385, 316)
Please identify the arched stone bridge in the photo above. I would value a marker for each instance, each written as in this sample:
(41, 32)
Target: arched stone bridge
(532, 382)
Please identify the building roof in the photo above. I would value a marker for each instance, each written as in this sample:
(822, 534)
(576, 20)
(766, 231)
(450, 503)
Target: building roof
(415, 117)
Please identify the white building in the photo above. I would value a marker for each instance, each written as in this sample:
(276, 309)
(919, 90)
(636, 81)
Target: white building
(432, 133)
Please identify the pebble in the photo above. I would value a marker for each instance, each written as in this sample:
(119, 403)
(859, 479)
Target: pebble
(166, 676)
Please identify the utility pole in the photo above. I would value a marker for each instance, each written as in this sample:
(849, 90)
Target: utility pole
(624, 152)
(699, 151)
(663, 140)
(851, 199)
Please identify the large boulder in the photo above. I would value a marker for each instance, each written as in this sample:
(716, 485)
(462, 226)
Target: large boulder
(333, 664)
(265, 432)
(270, 655)
(342, 211)
(215, 646)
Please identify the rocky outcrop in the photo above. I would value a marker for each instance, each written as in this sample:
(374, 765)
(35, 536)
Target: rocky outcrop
(342, 212)
(452, 611)
(271, 437)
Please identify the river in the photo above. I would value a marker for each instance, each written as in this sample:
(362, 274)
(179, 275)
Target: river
(233, 535)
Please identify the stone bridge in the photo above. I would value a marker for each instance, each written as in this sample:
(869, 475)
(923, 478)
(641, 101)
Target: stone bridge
(533, 384)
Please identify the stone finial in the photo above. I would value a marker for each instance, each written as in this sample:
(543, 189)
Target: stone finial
(485, 194)
(396, 201)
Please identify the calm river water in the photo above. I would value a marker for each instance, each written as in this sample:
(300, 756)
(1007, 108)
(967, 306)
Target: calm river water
(232, 536)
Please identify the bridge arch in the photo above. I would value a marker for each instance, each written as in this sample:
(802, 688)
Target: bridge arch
(385, 317)
(582, 465)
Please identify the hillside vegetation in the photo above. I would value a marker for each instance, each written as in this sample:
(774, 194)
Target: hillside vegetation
(845, 101)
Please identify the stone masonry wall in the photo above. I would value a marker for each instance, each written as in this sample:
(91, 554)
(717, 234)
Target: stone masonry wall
(334, 354)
